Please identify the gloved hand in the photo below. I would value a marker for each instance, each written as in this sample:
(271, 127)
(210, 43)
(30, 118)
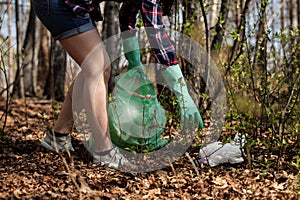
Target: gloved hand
(132, 53)
(189, 114)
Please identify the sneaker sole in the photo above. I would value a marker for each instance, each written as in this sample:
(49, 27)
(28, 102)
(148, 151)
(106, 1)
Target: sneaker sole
(47, 146)
(51, 148)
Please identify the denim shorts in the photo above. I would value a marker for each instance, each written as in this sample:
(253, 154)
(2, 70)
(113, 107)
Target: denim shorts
(60, 20)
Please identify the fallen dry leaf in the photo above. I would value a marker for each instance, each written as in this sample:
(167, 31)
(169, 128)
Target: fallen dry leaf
(28, 171)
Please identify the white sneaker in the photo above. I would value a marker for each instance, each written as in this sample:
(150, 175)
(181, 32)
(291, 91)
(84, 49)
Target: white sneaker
(55, 143)
(112, 158)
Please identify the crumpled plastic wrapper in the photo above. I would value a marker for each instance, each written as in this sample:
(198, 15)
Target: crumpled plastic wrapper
(217, 153)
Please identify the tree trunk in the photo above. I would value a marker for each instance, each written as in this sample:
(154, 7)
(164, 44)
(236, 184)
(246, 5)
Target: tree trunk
(10, 42)
(55, 85)
(298, 26)
(220, 27)
(18, 89)
(110, 28)
(282, 13)
(292, 14)
(213, 12)
(298, 11)
(44, 62)
(31, 48)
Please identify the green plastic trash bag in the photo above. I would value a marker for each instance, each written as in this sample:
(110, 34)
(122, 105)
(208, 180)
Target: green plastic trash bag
(136, 119)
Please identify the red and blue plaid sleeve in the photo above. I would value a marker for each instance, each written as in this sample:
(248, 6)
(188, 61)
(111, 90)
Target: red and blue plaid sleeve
(128, 15)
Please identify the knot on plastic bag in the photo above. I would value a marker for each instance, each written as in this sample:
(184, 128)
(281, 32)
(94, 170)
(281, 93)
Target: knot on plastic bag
(217, 153)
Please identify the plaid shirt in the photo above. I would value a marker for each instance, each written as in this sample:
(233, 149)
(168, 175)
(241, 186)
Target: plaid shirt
(86, 8)
(163, 48)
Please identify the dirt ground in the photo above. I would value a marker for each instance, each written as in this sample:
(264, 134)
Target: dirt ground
(29, 171)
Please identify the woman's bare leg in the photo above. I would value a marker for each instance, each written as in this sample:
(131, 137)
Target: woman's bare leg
(64, 123)
(86, 49)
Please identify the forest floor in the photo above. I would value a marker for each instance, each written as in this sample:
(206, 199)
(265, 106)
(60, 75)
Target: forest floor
(29, 171)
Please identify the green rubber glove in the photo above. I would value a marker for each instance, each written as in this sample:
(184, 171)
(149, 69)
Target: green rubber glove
(132, 53)
(189, 113)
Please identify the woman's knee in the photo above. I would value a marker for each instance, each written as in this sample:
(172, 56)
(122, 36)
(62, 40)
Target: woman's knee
(96, 63)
